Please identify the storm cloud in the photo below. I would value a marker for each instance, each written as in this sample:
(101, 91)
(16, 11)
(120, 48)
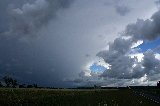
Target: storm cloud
(145, 29)
(24, 52)
(32, 16)
(122, 65)
(54, 42)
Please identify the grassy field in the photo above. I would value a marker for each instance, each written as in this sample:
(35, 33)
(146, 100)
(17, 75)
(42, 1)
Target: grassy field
(151, 91)
(42, 97)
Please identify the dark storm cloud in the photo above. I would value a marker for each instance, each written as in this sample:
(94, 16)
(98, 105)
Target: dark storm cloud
(29, 18)
(5, 6)
(21, 22)
(49, 42)
(116, 56)
(150, 63)
(145, 29)
(122, 66)
(116, 49)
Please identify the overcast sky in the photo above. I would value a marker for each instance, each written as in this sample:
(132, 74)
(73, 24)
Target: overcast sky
(69, 43)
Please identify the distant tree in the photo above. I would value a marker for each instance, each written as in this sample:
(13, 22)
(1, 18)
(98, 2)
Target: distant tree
(7, 80)
(96, 87)
(35, 85)
(14, 83)
(1, 85)
(29, 86)
(10, 82)
(158, 84)
(22, 86)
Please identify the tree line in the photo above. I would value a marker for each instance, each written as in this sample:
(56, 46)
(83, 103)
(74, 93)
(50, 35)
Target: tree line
(10, 82)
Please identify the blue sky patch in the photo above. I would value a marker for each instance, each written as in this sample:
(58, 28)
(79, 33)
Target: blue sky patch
(97, 68)
(149, 45)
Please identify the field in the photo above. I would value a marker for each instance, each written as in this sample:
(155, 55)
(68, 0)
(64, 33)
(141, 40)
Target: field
(70, 97)
(154, 92)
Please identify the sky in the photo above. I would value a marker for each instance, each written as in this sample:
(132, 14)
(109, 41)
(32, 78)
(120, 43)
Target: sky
(149, 45)
(70, 43)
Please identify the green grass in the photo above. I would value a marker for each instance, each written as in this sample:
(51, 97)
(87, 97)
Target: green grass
(37, 97)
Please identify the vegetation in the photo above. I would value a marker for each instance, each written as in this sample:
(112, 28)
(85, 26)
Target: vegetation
(10, 82)
(12, 93)
(66, 97)
(154, 92)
